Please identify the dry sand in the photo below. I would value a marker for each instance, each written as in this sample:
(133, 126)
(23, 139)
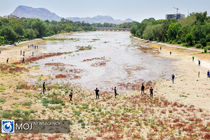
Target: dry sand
(188, 89)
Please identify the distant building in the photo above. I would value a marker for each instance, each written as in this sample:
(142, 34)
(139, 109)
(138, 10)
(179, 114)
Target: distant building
(175, 16)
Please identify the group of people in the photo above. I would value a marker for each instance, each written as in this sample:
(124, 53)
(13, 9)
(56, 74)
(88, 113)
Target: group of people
(33, 46)
(143, 89)
(199, 63)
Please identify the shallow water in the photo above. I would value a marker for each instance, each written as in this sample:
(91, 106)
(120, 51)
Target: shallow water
(114, 60)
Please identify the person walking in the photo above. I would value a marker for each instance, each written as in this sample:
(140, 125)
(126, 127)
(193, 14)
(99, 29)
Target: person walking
(71, 95)
(199, 73)
(115, 92)
(23, 53)
(208, 74)
(193, 58)
(44, 88)
(170, 53)
(199, 62)
(7, 60)
(23, 61)
(142, 88)
(97, 93)
(151, 92)
(173, 78)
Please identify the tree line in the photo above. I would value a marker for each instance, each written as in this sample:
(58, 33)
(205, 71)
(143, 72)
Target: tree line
(20, 29)
(192, 31)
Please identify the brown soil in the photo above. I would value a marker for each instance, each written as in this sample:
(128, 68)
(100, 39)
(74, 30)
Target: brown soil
(75, 71)
(59, 76)
(55, 64)
(103, 63)
(10, 69)
(43, 56)
(91, 59)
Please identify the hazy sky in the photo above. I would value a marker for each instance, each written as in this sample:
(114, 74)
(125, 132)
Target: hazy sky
(120, 9)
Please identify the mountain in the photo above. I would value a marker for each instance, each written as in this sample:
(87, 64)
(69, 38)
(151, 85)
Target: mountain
(99, 19)
(29, 12)
(44, 14)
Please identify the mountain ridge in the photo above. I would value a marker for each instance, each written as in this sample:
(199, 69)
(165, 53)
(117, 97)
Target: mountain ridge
(45, 14)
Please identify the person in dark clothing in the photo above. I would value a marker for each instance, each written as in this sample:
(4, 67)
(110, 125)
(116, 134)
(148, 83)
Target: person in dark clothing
(170, 53)
(142, 88)
(32, 53)
(97, 93)
(199, 62)
(23, 61)
(23, 53)
(44, 88)
(71, 95)
(193, 58)
(115, 91)
(151, 92)
(160, 48)
(208, 74)
(173, 78)
(7, 60)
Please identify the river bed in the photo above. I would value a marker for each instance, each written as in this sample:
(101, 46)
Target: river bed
(113, 59)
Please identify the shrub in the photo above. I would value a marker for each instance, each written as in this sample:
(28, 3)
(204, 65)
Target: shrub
(198, 46)
(179, 42)
(6, 115)
(27, 104)
(203, 41)
(205, 50)
(2, 100)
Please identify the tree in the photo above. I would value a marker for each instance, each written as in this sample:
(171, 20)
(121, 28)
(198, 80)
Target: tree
(30, 34)
(8, 33)
(174, 31)
(189, 39)
(40, 26)
(203, 42)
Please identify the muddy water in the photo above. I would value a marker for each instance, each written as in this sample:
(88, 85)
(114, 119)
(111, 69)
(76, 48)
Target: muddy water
(114, 60)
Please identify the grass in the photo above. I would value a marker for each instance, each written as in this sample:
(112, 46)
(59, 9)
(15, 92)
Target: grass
(46, 101)
(17, 114)
(27, 104)
(2, 100)
(2, 89)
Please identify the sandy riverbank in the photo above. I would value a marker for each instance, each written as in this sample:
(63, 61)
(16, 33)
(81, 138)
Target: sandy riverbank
(188, 89)
(127, 117)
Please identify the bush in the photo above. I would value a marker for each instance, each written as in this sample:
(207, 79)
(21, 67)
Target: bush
(2, 100)
(203, 42)
(198, 46)
(205, 50)
(179, 42)
(208, 48)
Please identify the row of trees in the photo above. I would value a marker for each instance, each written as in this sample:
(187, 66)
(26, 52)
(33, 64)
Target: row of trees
(123, 25)
(20, 29)
(191, 31)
